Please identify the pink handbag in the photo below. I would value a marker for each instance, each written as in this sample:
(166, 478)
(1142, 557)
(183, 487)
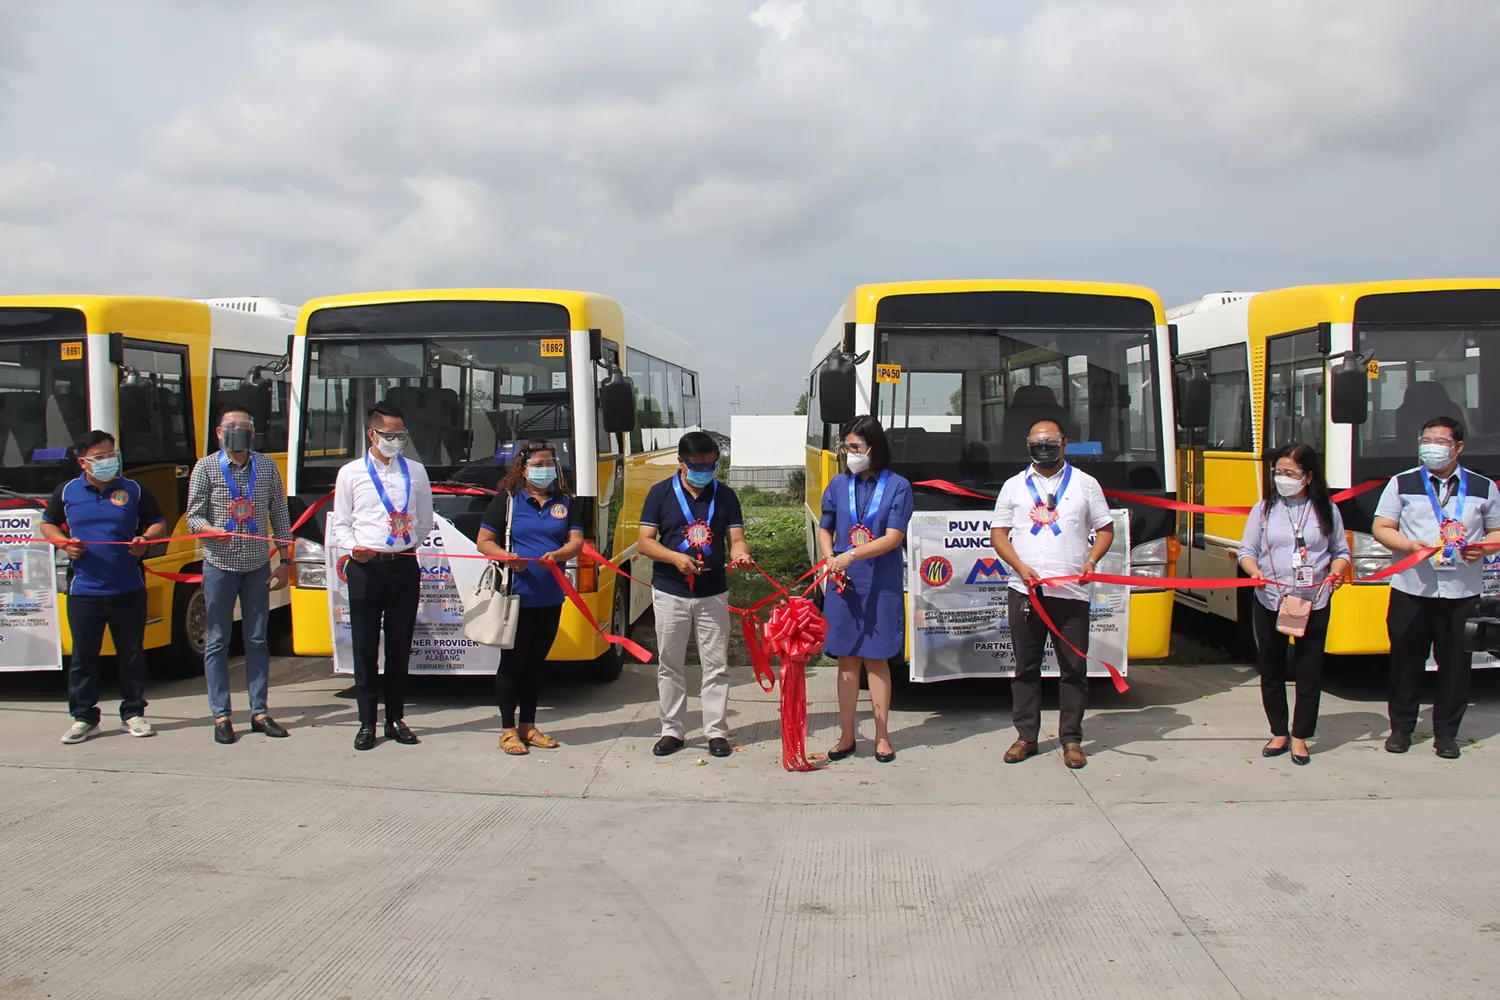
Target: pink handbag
(1292, 615)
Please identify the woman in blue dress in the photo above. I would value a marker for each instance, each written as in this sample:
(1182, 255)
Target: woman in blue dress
(865, 514)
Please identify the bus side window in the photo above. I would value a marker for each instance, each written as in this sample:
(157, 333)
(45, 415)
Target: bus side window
(817, 431)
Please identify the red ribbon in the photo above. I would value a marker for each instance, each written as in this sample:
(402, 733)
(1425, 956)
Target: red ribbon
(1161, 503)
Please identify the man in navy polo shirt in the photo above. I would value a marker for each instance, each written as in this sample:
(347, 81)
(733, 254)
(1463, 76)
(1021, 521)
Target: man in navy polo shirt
(107, 585)
(688, 523)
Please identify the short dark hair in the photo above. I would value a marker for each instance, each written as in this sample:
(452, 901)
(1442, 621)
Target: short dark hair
(385, 409)
(1447, 423)
(92, 439)
(1048, 420)
(229, 408)
(697, 443)
(869, 428)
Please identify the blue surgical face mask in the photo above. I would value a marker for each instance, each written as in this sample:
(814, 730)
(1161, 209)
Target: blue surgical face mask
(698, 480)
(106, 469)
(1435, 456)
(541, 476)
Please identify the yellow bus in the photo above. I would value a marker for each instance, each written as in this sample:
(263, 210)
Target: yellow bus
(477, 372)
(956, 371)
(153, 372)
(1281, 366)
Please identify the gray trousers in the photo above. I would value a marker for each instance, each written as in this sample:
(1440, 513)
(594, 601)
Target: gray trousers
(707, 620)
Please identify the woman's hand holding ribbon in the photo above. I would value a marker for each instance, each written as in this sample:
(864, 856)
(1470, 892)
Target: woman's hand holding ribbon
(838, 565)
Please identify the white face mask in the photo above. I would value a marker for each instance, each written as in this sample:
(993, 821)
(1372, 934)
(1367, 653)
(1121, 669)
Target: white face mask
(857, 463)
(390, 449)
(1289, 486)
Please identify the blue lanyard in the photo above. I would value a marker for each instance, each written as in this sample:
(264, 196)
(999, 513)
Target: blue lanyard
(855, 519)
(688, 542)
(241, 509)
(1442, 517)
(398, 519)
(1057, 499)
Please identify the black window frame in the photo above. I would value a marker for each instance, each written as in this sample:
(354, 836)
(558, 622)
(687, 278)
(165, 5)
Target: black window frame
(190, 449)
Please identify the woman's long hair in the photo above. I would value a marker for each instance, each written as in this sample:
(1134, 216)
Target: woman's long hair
(514, 482)
(1317, 487)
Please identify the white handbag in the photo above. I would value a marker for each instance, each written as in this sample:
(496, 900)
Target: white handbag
(492, 616)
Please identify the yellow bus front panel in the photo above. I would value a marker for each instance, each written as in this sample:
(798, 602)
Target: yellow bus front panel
(1150, 625)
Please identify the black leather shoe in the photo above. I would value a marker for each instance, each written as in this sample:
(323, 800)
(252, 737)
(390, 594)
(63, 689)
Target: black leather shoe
(224, 732)
(1446, 748)
(1270, 751)
(269, 726)
(1398, 743)
(849, 751)
(365, 738)
(1301, 760)
(719, 747)
(397, 731)
(885, 758)
(667, 746)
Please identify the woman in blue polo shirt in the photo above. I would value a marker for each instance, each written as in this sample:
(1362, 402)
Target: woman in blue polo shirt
(546, 524)
(865, 514)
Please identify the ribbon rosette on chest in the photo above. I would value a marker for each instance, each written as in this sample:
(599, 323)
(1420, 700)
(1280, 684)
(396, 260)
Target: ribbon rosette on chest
(860, 535)
(400, 523)
(241, 509)
(699, 536)
(1041, 516)
(1453, 532)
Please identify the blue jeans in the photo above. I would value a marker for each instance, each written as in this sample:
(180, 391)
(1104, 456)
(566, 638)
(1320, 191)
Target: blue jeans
(125, 614)
(220, 590)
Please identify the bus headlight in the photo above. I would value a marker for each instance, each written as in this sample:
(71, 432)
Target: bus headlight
(1369, 555)
(1149, 558)
(309, 565)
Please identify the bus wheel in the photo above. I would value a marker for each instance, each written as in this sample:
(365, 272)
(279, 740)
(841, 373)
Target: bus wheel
(605, 667)
(184, 656)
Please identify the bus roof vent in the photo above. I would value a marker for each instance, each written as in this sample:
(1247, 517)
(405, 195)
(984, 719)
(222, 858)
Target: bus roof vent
(254, 304)
(1211, 301)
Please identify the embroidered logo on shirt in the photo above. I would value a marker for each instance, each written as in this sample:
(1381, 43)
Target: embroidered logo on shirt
(558, 511)
(119, 498)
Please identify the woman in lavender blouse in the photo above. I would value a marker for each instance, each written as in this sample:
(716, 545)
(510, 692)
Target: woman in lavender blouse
(1295, 541)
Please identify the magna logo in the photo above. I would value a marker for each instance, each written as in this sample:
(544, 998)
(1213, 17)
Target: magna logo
(936, 571)
(12, 572)
(987, 571)
(342, 568)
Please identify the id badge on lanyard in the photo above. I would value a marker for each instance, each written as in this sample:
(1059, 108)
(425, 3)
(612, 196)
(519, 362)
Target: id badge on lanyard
(1302, 570)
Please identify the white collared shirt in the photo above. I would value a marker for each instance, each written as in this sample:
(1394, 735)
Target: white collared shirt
(1081, 511)
(359, 519)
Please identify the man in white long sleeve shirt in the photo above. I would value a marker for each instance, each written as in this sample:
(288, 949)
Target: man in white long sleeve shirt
(382, 510)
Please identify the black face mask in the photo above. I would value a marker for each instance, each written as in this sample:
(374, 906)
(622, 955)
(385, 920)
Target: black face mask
(235, 439)
(1044, 455)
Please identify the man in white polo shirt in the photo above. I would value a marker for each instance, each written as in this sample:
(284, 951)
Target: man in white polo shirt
(1044, 519)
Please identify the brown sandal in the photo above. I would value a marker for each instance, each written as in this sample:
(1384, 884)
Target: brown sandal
(536, 738)
(510, 742)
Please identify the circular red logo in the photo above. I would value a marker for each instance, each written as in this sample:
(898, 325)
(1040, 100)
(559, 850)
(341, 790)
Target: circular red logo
(559, 511)
(401, 524)
(936, 571)
(342, 568)
(860, 535)
(119, 498)
(241, 509)
(699, 535)
(1041, 515)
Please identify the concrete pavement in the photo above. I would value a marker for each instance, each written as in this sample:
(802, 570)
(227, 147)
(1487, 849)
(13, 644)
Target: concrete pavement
(1178, 864)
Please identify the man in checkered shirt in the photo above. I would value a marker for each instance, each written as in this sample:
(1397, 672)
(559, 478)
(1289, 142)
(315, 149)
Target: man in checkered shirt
(237, 492)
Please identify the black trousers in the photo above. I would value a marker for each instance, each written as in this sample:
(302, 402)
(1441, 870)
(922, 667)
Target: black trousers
(125, 614)
(1416, 625)
(1029, 636)
(383, 596)
(518, 679)
(1304, 659)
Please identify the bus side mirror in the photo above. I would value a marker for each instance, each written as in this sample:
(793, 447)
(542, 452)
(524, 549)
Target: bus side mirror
(1193, 395)
(617, 403)
(1351, 392)
(836, 391)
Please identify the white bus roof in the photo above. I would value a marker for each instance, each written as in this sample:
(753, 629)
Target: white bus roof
(1216, 320)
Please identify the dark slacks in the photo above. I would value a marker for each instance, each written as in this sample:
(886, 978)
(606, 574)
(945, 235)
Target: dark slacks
(1277, 656)
(1417, 625)
(125, 614)
(518, 679)
(383, 596)
(1029, 636)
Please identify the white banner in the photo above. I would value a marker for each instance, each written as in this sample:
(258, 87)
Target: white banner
(30, 636)
(438, 646)
(958, 587)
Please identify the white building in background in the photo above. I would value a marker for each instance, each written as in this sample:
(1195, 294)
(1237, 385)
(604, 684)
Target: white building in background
(765, 450)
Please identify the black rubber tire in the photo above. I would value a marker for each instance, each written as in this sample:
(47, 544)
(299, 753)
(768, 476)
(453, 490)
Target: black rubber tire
(183, 656)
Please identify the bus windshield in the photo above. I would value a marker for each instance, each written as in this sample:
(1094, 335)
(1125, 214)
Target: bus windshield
(967, 397)
(468, 401)
(44, 409)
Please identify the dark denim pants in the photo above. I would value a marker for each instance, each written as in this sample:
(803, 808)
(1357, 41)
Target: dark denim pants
(125, 614)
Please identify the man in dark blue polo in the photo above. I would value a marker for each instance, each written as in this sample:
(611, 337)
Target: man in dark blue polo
(691, 526)
(107, 585)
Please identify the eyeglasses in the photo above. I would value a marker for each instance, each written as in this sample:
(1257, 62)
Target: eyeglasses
(91, 459)
(1044, 441)
(860, 448)
(393, 435)
(1445, 442)
(241, 426)
(701, 466)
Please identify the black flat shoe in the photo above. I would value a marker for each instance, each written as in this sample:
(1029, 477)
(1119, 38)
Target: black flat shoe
(719, 747)
(269, 726)
(1270, 751)
(365, 738)
(224, 732)
(849, 751)
(1301, 760)
(885, 758)
(397, 731)
(667, 746)
(1445, 748)
(1398, 743)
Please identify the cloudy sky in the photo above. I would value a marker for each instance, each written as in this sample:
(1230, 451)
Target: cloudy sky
(732, 169)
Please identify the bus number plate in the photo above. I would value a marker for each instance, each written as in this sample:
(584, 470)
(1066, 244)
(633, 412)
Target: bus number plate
(1372, 368)
(554, 348)
(72, 350)
(890, 374)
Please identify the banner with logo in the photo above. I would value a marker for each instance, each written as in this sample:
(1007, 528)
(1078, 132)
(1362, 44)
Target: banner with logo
(30, 634)
(439, 645)
(958, 589)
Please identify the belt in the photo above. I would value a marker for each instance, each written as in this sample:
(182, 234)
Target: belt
(391, 556)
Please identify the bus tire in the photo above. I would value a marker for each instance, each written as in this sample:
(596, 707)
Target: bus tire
(183, 656)
(604, 668)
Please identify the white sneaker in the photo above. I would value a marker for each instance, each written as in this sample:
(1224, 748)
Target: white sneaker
(138, 726)
(80, 731)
